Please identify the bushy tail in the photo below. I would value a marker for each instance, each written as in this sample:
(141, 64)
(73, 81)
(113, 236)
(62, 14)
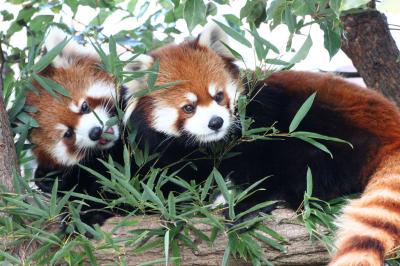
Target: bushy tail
(369, 228)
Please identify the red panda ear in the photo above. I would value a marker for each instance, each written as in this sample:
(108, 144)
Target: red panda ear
(214, 38)
(71, 50)
(140, 63)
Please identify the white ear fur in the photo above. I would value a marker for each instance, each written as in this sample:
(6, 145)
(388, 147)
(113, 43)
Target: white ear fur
(213, 37)
(72, 49)
(140, 63)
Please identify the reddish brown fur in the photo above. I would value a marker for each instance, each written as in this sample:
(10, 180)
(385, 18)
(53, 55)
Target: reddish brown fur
(75, 79)
(377, 213)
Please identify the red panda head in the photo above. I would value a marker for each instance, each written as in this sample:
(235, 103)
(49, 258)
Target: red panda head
(201, 106)
(72, 127)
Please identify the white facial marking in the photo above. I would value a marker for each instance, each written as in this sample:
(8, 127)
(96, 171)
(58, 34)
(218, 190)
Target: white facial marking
(191, 97)
(233, 93)
(212, 89)
(76, 108)
(101, 89)
(62, 156)
(197, 125)
(164, 119)
(89, 121)
(61, 127)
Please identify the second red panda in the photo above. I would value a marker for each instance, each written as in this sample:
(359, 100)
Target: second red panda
(183, 115)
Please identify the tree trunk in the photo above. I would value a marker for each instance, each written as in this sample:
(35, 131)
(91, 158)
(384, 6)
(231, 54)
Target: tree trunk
(368, 43)
(8, 157)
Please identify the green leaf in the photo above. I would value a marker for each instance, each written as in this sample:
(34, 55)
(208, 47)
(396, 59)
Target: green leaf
(313, 135)
(53, 198)
(302, 52)
(211, 9)
(332, 39)
(50, 86)
(39, 23)
(227, 253)
(166, 247)
(270, 242)
(131, 5)
(6, 15)
(309, 189)
(221, 184)
(254, 12)
(234, 34)
(301, 113)
(302, 8)
(275, 12)
(351, 4)
(176, 253)
(171, 204)
(271, 232)
(154, 198)
(10, 258)
(194, 13)
(206, 187)
(317, 144)
(100, 18)
(27, 119)
(49, 56)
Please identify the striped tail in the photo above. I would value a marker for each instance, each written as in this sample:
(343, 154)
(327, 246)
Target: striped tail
(369, 228)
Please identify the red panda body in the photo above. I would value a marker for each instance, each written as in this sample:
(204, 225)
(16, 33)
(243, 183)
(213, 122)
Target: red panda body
(368, 227)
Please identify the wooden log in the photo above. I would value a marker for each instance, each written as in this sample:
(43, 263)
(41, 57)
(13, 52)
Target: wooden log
(300, 249)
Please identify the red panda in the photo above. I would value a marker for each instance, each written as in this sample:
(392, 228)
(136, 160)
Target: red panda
(201, 106)
(183, 113)
(71, 128)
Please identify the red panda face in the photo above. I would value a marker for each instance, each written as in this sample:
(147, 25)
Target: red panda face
(201, 106)
(70, 128)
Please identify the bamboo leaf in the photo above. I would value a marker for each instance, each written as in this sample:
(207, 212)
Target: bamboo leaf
(301, 113)
(49, 56)
(234, 34)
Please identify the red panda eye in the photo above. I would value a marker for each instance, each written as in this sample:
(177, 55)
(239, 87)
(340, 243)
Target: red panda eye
(69, 133)
(85, 109)
(188, 108)
(219, 97)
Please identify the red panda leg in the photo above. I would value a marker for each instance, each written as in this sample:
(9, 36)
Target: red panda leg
(369, 227)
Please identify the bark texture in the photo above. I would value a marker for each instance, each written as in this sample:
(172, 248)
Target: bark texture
(368, 43)
(8, 157)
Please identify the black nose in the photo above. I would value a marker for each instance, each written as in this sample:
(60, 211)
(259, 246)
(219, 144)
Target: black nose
(215, 123)
(95, 133)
